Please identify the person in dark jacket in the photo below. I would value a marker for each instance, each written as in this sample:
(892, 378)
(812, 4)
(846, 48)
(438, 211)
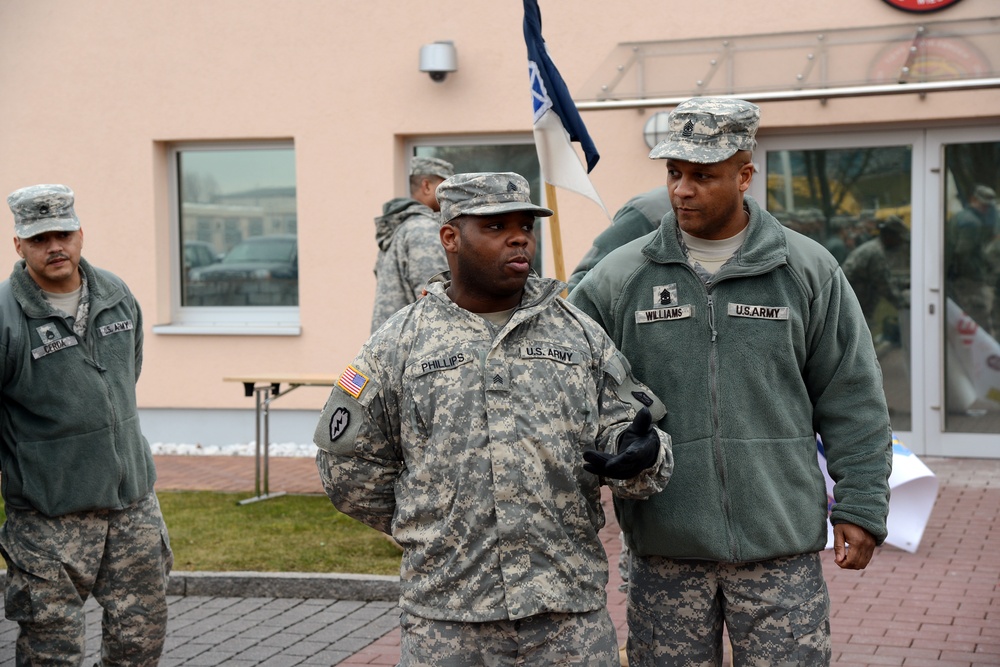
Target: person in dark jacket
(637, 217)
(753, 338)
(82, 517)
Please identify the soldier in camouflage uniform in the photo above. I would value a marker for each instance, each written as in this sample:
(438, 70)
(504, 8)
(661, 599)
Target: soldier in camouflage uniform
(462, 429)
(82, 518)
(752, 336)
(409, 250)
(880, 268)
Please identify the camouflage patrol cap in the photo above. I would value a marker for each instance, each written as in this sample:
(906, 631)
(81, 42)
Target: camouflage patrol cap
(985, 194)
(42, 208)
(431, 166)
(486, 194)
(707, 130)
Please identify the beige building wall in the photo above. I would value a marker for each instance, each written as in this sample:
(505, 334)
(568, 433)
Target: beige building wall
(92, 94)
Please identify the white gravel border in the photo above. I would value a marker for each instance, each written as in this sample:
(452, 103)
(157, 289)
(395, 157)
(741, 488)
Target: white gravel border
(291, 449)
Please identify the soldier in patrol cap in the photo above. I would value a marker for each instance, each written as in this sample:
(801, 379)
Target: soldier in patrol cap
(758, 325)
(476, 427)
(82, 517)
(409, 252)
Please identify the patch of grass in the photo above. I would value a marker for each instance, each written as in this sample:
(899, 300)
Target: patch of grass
(209, 531)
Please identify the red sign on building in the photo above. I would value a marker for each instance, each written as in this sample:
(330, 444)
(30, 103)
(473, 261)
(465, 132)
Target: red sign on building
(921, 5)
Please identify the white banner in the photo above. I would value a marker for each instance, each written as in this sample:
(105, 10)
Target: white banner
(973, 363)
(913, 489)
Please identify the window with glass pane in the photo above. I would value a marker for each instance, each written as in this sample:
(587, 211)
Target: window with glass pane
(856, 202)
(238, 227)
(972, 288)
(521, 158)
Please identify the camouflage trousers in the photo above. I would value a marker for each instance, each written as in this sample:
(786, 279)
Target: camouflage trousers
(777, 612)
(54, 564)
(545, 640)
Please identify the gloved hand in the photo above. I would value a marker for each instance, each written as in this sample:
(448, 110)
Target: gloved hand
(638, 448)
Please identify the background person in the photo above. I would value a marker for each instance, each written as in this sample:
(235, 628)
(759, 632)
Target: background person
(967, 262)
(82, 517)
(637, 217)
(462, 428)
(409, 250)
(879, 270)
(753, 336)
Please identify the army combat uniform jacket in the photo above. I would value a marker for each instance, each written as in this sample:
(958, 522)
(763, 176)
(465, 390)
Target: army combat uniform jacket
(466, 444)
(773, 349)
(409, 255)
(869, 269)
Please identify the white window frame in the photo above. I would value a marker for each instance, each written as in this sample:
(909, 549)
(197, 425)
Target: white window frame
(221, 320)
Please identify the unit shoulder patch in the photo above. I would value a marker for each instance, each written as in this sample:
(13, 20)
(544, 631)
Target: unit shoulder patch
(339, 421)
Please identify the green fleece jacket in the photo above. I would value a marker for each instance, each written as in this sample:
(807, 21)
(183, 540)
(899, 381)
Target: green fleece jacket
(69, 425)
(751, 365)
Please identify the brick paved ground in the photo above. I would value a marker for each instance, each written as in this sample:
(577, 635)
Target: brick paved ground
(940, 606)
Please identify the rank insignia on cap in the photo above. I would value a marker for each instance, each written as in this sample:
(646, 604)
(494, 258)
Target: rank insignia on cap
(511, 187)
(688, 129)
(352, 381)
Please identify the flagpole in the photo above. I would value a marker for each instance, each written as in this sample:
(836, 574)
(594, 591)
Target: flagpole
(555, 233)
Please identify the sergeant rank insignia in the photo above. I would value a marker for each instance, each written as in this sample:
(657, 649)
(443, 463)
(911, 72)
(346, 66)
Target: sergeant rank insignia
(665, 306)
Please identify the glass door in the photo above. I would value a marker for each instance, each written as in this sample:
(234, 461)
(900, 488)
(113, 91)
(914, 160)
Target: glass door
(966, 413)
(856, 194)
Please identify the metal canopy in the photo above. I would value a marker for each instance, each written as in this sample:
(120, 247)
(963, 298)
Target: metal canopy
(912, 58)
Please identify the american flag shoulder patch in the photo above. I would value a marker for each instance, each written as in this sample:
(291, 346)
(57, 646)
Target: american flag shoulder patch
(352, 381)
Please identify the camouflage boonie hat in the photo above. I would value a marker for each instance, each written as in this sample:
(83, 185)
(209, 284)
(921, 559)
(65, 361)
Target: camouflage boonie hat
(42, 208)
(707, 130)
(486, 194)
(431, 166)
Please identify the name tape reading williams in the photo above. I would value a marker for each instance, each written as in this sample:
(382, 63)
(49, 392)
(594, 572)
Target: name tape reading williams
(662, 314)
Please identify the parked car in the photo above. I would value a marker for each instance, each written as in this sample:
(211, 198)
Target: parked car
(258, 271)
(259, 257)
(198, 254)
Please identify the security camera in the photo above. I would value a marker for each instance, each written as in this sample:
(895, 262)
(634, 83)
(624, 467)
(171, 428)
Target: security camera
(438, 59)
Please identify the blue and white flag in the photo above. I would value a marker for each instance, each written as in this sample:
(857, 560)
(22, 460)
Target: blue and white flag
(557, 121)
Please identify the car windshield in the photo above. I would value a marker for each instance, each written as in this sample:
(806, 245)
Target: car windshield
(269, 251)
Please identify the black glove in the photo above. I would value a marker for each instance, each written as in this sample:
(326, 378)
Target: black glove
(638, 446)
